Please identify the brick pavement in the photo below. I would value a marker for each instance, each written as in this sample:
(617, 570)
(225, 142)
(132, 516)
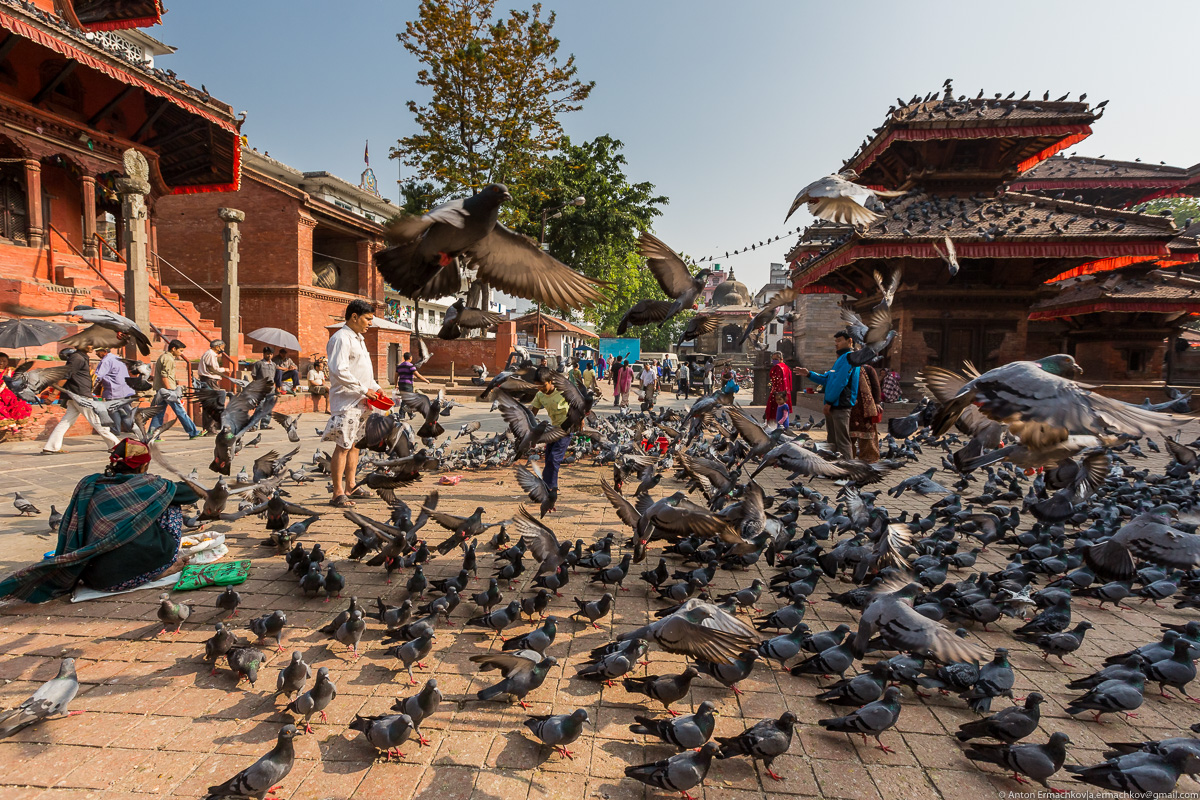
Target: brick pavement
(158, 723)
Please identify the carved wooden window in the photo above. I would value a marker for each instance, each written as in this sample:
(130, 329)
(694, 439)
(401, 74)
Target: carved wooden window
(14, 213)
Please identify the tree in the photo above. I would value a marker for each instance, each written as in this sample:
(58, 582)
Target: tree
(417, 197)
(1182, 209)
(497, 92)
(600, 237)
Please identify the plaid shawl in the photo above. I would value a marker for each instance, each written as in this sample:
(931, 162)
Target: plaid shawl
(105, 513)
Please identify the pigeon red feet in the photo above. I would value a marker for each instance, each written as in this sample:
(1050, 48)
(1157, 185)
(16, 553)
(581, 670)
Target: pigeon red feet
(308, 728)
(622, 588)
(323, 717)
(422, 741)
(883, 747)
(444, 260)
(523, 705)
(73, 713)
(673, 713)
(1017, 777)
(326, 600)
(736, 690)
(597, 627)
(609, 684)
(1130, 715)
(565, 752)
(774, 776)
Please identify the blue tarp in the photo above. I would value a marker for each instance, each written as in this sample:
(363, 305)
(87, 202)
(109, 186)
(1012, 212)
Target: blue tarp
(627, 349)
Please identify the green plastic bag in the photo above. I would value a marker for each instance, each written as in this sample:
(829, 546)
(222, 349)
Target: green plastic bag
(221, 573)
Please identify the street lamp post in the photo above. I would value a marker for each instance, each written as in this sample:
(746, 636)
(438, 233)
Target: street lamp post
(552, 212)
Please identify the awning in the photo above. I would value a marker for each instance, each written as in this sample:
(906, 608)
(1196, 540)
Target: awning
(107, 15)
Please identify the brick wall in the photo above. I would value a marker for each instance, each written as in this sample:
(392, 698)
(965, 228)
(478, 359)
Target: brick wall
(465, 353)
(817, 319)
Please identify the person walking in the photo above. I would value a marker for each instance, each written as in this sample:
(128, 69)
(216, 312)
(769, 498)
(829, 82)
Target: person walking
(780, 383)
(406, 374)
(601, 365)
(551, 398)
(77, 389)
(211, 373)
(685, 381)
(624, 382)
(841, 392)
(588, 376)
(167, 390)
(867, 412)
(351, 382)
(708, 377)
(111, 373)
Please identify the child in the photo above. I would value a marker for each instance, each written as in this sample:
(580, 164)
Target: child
(783, 411)
(731, 386)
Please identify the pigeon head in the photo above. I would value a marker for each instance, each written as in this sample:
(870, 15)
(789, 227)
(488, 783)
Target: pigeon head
(287, 732)
(1034, 699)
(709, 750)
(1062, 365)
(580, 716)
(787, 720)
(892, 694)
(1059, 739)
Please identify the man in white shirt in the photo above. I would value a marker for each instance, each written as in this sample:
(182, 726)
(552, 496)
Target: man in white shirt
(211, 373)
(351, 382)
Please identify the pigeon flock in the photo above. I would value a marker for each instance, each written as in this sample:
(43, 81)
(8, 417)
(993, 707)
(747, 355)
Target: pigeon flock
(662, 586)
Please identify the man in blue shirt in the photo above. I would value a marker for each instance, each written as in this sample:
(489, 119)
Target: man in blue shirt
(841, 392)
(111, 373)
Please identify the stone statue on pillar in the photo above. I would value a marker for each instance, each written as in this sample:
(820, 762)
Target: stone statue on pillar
(231, 301)
(133, 187)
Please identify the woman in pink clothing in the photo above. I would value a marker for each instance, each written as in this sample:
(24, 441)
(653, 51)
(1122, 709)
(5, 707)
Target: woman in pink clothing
(622, 381)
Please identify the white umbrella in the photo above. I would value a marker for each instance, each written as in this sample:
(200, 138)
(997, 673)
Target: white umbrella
(276, 337)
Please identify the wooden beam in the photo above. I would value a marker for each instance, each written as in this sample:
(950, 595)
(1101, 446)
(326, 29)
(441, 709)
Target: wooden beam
(150, 120)
(55, 82)
(8, 46)
(178, 133)
(110, 106)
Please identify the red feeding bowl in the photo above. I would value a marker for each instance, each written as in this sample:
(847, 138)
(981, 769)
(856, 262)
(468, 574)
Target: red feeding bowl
(380, 402)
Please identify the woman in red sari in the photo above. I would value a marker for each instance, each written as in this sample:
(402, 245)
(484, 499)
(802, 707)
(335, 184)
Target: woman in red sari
(13, 410)
(781, 381)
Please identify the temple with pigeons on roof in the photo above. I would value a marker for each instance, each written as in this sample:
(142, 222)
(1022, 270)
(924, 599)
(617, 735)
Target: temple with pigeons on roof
(1006, 248)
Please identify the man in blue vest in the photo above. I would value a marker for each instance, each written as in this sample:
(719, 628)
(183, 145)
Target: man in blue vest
(841, 393)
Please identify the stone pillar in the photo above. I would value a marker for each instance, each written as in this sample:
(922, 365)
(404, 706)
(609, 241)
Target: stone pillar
(366, 274)
(133, 187)
(33, 197)
(89, 216)
(231, 300)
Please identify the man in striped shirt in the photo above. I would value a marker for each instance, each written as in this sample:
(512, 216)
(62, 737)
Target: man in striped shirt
(406, 371)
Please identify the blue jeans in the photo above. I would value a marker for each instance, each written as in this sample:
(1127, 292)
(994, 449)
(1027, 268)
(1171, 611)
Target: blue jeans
(554, 456)
(122, 417)
(181, 414)
(262, 414)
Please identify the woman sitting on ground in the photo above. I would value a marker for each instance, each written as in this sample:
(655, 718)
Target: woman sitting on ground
(120, 530)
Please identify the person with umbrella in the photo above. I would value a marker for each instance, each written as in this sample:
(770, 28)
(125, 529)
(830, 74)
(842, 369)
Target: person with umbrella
(167, 388)
(351, 382)
(12, 408)
(79, 383)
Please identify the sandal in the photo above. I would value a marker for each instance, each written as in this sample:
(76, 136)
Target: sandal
(342, 501)
(360, 494)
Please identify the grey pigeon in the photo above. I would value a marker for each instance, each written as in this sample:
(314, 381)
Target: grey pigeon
(686, 732)
(229, 600)
(1177, 671)
(221, 643)
(315, 700)
(1140, 774)
(411, 652)
(835, 659)
(1062, 643)
(1037, 761)
(1008, 725)
(558, 730)
(731, 672)
(870, 720)
(765, 741)
(312, 582)
(245, 662)
(55, 518)
(50, 699)
(270, 625)
(891, 615)
(995, 680)
(701, 630)
(263, 775)
(666, 689)
(523, 671)
(538, 639)
(678, 773)
(24, 506)
(785, 647)
(1147, 537)
(1113, 696)
(858, 690)
(293, 677)
(613, 665)
(385, 732)
(350, 632)
(420, 706)
(172, 613)
(594, 610)
(499, 619)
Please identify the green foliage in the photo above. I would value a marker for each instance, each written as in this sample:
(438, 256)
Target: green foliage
(497, 92)
(417, 197)
(1181, 208)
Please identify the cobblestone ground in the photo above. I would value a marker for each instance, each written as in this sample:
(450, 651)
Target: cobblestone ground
(157, 723)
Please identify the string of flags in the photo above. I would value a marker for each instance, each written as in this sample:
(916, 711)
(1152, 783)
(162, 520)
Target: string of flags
(764, 243)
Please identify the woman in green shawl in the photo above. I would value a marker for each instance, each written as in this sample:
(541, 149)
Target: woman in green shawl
(121, 530)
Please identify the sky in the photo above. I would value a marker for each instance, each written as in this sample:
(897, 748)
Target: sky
(728, 109)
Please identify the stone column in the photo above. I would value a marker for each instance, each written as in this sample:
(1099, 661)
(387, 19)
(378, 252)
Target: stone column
(366, 274)
(33, 197)
(135, 220)
(89, 216)
(231, 301)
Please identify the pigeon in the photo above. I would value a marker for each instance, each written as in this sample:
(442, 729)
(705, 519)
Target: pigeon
(765, 741)
(1009, 725)
(315, 700)
(701, 630)
(420, 706)
(731, 672)
(675, 279)
(891, 615)
(837, 199)
(172, 613)
(1177, 671)
(858, 690)
(666, 689)
(334, 583)
(523, 671)
(678, 773)
(538, 639)
(686, 732)
(1148, 537)
(870, 720)
(264, 775)
(785, 647)
(995, 680)
(1112, 696)
(595, 609)
(312, 581)
(55, 518)
(558, 730)
(271, 624)
(613, 665)
(1138, 774)
(499, 619)
(350, 632)
(1062, 643)
(23, 506)
(837, 658)
(385, 732)
(220, 644)
(293, 677)
(245, 662)
(1037, 761)
(51, 698)
(229, 600)
(411, 652)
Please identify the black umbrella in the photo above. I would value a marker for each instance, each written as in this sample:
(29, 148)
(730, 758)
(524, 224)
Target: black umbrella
(29, 332)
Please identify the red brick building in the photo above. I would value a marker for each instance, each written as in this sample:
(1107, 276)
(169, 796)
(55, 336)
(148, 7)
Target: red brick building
(960, 163)
(306, 250)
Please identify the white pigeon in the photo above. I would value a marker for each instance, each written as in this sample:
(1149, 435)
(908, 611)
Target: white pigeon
(836, 198)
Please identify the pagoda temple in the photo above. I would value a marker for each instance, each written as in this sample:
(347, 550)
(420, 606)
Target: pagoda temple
(980, 186)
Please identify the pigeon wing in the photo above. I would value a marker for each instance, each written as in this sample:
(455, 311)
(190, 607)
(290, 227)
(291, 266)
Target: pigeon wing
(665, 265)
(515, 264)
